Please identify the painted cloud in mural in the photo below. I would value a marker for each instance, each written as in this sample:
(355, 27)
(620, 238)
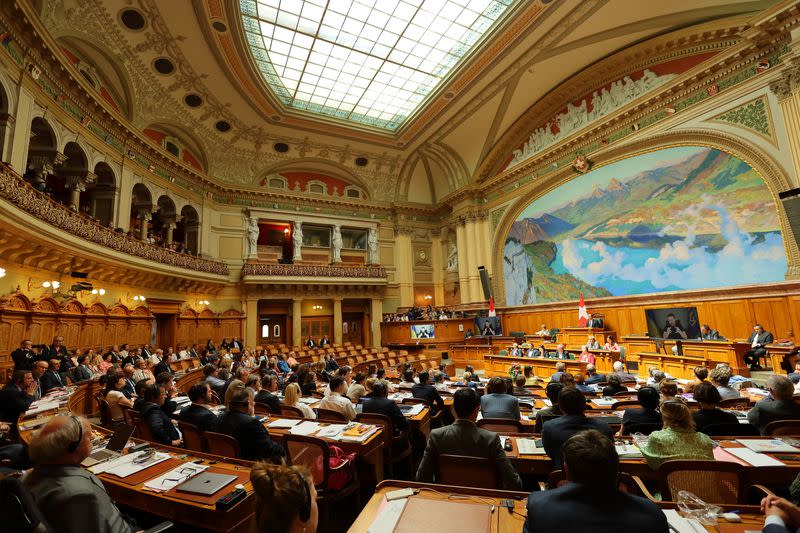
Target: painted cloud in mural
(675, 219)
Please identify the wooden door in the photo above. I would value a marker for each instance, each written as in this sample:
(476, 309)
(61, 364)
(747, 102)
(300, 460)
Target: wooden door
(315, 327)
(273, 329)
(353, 328)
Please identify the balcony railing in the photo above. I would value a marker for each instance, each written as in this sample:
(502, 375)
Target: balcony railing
(318, 271)
(20, 193)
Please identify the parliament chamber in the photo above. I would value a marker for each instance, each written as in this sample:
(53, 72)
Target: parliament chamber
(372, 266)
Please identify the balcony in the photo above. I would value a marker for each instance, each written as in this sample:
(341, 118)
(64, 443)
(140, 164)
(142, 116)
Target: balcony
(266, 273)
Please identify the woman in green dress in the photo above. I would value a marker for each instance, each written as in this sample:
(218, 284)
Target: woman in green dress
(678, 439)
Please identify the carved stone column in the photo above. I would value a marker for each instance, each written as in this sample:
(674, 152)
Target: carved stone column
(376, 312)
(297, 321)
(437, 261)
(43, 163)
(404, 264)
(76, 183)
(169, 226)
(463, 267)
(337, 320)
(145, 215)
(787, 90)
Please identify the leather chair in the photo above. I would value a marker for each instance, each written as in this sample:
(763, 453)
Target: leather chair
(193, 438)
(466, 471)
(221, 444)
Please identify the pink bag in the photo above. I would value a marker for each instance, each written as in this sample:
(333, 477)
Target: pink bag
(341, 465)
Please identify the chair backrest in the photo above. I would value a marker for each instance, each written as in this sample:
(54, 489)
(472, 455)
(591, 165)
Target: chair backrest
(291, 412)
(384, 421)
(193, 438)
(627, 483)
(311, 452)
(466, 471)
(143, 428)
(625, 404)
(221, 444)
(329, 415)
(711, 481)
(501, 425)
(261, 408)
(644, 428)
(103, 408)
(734, 429)
(18, 508)
(735, 402)
(544, 419)
(783, 427)
(414, 401)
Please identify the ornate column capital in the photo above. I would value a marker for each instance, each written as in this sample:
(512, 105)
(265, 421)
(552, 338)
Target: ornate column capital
(789, 81)
(403, 230)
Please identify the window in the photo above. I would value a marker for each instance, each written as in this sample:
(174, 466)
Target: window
(316, 236)
(277, 183)
(352, 193)
(316, 188)
(265, 331)
(355, 239)
(276, 330)
(172, 148)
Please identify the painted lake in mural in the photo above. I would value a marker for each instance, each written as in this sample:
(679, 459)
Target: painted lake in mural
(675, 219)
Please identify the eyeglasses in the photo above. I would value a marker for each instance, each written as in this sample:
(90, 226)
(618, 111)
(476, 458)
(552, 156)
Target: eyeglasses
(182, 475)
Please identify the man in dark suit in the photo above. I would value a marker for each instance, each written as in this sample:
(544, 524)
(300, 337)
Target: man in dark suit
(324, 341)
(82, 372)
(23, 356)
(779, 407)
(310, 343)
(425, 391)
(17, 396)
(267, 396)
(39, 368)
(198, 413)
(649, 399)
(167, 384)
(164, 431)
(758, 341)
(463, 437)
(557, 431)
(592, 500)
(238, 422)
(129, 390)
(592, 377)
(380, 404)
(162, 365)
(708, 334)
(782, 516)
(52, 378)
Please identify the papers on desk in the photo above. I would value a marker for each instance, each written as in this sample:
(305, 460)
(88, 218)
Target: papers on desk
(308, 401)
(40, 406)
(767, 445)
(681, 524)
(305, 427)
(757, 392)
(528, 447)
(604, 402)
(399, 396)
(754, 458)
(171, 479)
(413, 410)
(333, 431)
(283, 423)
(627, 451)
(124, 466)
(356, 432)
(388, 516)
(547, 402)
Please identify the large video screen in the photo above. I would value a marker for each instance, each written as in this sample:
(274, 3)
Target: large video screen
(676, 323)
(489, 325)
(422, 331)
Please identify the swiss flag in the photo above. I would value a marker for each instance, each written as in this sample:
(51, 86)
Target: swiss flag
(491, 306)
(583, 314)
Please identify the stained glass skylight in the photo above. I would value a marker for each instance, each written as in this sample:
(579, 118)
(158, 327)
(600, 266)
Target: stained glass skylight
(373, 62)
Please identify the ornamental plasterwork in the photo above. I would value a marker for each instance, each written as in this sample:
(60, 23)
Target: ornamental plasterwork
(753, 115)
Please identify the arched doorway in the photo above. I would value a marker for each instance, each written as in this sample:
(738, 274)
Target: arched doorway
(164, 221)
(188, 230)
(43, 155)
(141, 211)
(98, 199)
(71, 178)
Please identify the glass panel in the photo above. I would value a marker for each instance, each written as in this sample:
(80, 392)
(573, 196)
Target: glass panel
(277, 331)
(316, 236)
(354, 238)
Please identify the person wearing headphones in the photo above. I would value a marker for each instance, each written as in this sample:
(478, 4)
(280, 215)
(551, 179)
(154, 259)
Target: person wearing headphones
(58, 482)
(286, 500)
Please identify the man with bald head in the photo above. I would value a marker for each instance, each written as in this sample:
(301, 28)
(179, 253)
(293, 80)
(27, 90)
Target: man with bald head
(58, 482)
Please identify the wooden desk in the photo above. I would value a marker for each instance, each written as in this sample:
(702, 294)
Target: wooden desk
(709, 352)
(498, 365)
(603, 359)
(82, 402)
(577, 337)
(184, 382)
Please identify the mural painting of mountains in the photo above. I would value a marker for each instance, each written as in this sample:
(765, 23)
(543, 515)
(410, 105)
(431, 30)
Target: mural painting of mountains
(543, 228)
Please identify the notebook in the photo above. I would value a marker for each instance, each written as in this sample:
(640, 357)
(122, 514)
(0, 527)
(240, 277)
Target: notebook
(206, 483)
(450, 516)
(114, 447)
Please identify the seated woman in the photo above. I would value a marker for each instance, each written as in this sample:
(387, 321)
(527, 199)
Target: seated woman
(648, 414)
(286, 500)
(356, 389)
(709, 413)
(467, 381)
(668, 391)
(115, 397)
(611, 344)
(700, 376)
(519, 386)
(498, 404)
(530, 379)
(614, 385)
(580, 383)
(291, 398)
(586, 356)
(678, 439)
(106, 363)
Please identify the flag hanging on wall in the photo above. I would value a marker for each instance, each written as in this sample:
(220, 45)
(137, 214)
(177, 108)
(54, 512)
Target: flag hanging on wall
(583, 314)
(491, 306)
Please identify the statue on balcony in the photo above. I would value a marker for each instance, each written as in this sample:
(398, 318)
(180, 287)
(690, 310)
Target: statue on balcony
(372, 247)
(336, 244)
(252, 238)
(452, 258)
(297, 241)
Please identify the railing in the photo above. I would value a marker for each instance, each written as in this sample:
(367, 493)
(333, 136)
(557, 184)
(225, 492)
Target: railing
(320, 271)
(17, 191)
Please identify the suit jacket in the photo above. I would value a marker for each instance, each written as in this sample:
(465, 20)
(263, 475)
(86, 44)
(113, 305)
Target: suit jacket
(575, 507)
(428, 392)
(557, 431)
(596, 378)
(81, 373)
(499, 406)
(763, 339)
(463, 437)
(270, 400)
(23, 359)
(161, 367)
(641, 416)
(200, 416)
(385, 406)
(712, 335)
(51, 380)
(13, 402)
(164, 432)
(767, 411)
(254, 441)
(706, 417)
(59, 487)
(51, 352)
(129, 389)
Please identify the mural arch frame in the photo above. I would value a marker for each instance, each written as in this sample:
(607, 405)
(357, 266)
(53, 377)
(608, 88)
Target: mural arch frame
(773, 174)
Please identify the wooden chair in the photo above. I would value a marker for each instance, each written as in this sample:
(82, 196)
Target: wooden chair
(626, 404)
(193, 438)
(288, 411)
(720, 482)
(143, 429)
(735, 403)
(261, 409)
(220, 444)
(734, 429)
(131, 416)
(396, 448)
(329, 415)
(501, 425)
(783, 427)
(103, 409)
(627, 483)
(466, 471)
(645, 429)
(543, 418)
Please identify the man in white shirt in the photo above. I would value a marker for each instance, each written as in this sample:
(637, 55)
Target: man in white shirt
(543, 330)
(183, 353)
(337, 401)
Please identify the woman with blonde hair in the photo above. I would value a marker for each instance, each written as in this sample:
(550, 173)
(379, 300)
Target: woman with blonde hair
(286, 499)
(678, 439)
(94, 358)
(291, 398)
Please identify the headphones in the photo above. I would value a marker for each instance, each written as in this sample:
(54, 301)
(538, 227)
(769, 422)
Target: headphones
(72, 446)
(305, 510)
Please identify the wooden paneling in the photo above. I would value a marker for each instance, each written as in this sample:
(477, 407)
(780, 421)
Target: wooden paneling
(444, 330)
(198, 327)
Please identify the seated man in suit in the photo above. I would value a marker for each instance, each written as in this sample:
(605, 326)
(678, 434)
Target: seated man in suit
(267, 396)
(592, 500)
(592, 377)
(380, 404)
(52, 378)
(649, 399)
(779, 407)
(543, 331)
(556, 377)
(560, 353)
(425, 391)
(758, 341)
(164, 431)
(59, 483)
(556, 432)
(498, 404)
(619, 369)
(782, 516)
(591, 343)
(310, 343)
(708, 334)
(463, 437)
(337, 401)
(82, 372)
(199, 413)
(542, 415)
(129, 390)
(163, 364)
(238, 422)
(17, 396)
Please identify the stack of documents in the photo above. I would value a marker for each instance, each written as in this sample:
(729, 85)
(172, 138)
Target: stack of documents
(171, 479)
(680, 524)
(124, 466)
(604, 402)
(625, 450)
(283, 423)
(767, 445)
(305, 427)
(754, 458)
(528, 447)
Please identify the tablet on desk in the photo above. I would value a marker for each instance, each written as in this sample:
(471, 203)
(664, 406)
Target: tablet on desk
(206, 483)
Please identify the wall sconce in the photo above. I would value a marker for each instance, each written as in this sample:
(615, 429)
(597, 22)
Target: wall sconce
(316, 307)
(138, 298)
(101, 292)
(203, 302)
(54, 284)
(428, 297)
(2, 272)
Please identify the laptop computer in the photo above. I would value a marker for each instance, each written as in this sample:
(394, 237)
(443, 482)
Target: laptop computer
(114, 447)
(206, 483)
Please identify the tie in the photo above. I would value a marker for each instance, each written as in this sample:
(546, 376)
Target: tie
(58, 377)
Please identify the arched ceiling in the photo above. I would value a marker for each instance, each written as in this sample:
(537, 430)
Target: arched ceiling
(522, 60)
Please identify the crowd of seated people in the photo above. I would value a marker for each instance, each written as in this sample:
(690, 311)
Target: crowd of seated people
(423, 313)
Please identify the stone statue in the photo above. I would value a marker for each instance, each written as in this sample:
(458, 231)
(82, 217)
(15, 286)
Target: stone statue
(452, 258)
(297, 241)
(336, 244)
(372, 247)
(252, 238)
